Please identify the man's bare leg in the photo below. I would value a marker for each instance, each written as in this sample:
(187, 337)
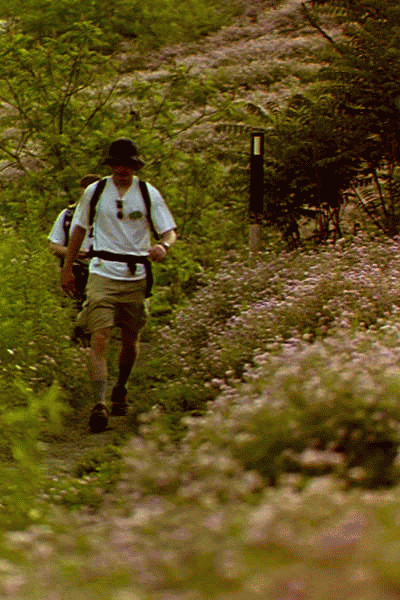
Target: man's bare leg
(128, 355)
(98, 376)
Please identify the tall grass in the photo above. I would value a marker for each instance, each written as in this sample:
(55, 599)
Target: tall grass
(39, 370)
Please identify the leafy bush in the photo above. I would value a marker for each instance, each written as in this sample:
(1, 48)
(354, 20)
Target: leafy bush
(362, 74)
(35, 351)
(21, 454)
(57, 94)
(36, 319)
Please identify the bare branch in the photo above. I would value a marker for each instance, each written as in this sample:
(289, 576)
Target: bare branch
(101, 103)
(366, 209)
(316, 26)
(194, 122)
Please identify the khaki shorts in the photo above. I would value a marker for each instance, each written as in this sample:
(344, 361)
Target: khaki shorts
(113, 303)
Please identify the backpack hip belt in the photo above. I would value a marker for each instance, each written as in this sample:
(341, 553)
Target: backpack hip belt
(131, 260)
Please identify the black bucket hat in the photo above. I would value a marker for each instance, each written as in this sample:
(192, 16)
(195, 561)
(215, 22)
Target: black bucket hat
(124, 152)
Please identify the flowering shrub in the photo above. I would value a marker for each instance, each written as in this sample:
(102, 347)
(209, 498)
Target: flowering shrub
(315, 337)
(332, 406)
(328, 407)
(311, 406)
(298, 358)
(198, 519)
(243, 308)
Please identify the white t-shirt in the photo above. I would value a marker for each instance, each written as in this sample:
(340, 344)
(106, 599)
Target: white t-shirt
(57, 233)
(129, 235)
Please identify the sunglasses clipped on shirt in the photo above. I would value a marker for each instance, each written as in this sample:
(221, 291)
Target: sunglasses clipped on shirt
(120, 214)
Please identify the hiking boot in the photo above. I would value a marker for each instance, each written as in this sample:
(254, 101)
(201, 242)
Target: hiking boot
(119, 405)
(98, 418)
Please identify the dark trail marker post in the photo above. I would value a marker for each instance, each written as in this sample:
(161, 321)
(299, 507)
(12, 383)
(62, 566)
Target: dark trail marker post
(256, 203)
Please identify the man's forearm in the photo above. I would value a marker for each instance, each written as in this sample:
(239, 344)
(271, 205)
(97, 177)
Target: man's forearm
(75, 243)
(169, 237)
(57, 249)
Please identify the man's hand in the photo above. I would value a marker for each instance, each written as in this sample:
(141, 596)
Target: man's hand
(74, 246)
(157, 253)
(68, 282)
(83, 254)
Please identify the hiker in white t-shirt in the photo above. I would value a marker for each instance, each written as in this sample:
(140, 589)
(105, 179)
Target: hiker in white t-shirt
(59, 238)
(120, 268)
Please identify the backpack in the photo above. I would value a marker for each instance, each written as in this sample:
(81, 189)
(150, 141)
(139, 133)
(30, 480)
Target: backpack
(69, 213)
(67, 220)
(80, 270)
(97, 193)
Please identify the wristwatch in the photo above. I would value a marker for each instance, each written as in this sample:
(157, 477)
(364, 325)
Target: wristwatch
(165, 244)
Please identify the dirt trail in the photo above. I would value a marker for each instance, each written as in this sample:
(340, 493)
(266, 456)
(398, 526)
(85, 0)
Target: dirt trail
(66, 448)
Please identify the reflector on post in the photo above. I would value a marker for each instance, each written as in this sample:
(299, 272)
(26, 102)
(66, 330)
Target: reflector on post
(256, 202)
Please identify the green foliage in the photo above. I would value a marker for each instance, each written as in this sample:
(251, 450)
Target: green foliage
(312, 155)
(170, 21)
(35, 350)
(57, 93)
(65, 104)
(341, 132)
(36, 322)
(363, 75)
(21, 453)
(152, 23)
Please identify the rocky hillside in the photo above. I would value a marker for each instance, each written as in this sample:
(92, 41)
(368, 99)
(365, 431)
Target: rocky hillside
(266, 55)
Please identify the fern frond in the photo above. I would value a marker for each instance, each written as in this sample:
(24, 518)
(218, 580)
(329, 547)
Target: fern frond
(256, 109)
(237, 129)
(367, 197)
(333, 11)
(328, 8)
(369, 202)
(274, 107)
(312, 18)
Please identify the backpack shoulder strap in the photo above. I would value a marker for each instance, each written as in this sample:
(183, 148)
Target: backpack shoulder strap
(146, 198)
(94, 200)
